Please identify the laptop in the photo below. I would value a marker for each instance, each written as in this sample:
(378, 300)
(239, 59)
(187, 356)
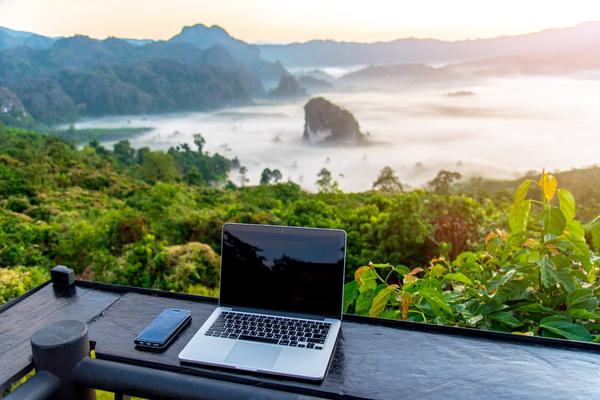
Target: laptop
(280, 303)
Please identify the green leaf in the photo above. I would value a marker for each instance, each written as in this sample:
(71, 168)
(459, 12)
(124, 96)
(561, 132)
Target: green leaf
(390, 314)
(350, 294)
(367, 281)
(402, 269)
(547, 271)
(363, 302)
(534, 308)
(459, 277)
(583, 313)
(521, 193)
(437, 270)
(382, 265)
(554, 221)
(563, 276)
(518, 216)
(504, 278)
(595, 232)
(489, 308)
(582, 251)
(506, 318)
(582, 298)
(576, 229)
(567, 203)
(380, 300)
(436, 301)
(565, 328)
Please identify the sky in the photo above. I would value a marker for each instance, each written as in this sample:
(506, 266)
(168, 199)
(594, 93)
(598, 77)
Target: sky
(284, 21)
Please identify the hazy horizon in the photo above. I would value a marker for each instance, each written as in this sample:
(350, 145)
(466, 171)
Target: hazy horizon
(410, 130)
(284, 22)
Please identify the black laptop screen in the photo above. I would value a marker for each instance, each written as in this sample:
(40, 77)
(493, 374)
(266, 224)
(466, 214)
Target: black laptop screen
(296, 270)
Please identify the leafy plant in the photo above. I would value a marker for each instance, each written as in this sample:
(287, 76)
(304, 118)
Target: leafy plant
(537, 278)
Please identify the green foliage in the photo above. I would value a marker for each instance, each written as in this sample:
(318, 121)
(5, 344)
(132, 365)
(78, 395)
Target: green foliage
(387, 181)
(582, 183)
(16, 281)
(159, 167)
(79, 76)
(326, 183)
(198, 167)
(89, 209)
(539, 279)
(442, 183)
(267, 176)
(87, 135)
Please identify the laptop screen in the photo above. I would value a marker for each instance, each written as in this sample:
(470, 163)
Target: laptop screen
(295, 270)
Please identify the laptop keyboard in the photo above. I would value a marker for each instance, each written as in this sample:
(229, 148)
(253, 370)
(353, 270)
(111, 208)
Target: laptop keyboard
(269, 329)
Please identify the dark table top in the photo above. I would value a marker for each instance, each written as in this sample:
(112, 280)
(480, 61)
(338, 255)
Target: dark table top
(373, 359)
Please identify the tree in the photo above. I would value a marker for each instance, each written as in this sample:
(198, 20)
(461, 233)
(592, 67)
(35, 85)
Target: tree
(194, 177)
(124, 153)
(326, 183)
(276, 175)
(141, 152)
(243, 171)
(199, 141)
(387, 181)
(159, 166)
(269, 175)
(98, 148)
(442, 183)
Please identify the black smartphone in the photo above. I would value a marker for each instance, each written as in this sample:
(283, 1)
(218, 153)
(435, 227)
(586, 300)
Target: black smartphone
(161, 332)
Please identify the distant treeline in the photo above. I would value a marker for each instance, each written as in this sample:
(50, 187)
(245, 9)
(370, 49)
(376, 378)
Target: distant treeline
(87, 135)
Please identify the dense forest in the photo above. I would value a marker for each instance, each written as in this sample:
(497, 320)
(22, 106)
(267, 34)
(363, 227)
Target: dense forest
(447, 253)
(202, 68)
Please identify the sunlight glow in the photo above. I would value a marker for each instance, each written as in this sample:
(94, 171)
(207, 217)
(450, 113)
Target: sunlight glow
(288, 21)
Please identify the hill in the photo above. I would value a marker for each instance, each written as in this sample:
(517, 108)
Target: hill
(12, 111)
(428, 51)
(582, 182)
(248, 55)
(406, 74)
(10, 38)
(325, 122)
(81, 76)
(579, 58)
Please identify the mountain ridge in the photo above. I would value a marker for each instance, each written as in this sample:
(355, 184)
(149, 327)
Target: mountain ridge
(330, 52)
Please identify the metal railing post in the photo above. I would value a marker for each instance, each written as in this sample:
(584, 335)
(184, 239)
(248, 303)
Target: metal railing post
(57, 348)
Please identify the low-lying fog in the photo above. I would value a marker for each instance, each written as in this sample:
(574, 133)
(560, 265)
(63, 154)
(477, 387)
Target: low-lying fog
(509, 126)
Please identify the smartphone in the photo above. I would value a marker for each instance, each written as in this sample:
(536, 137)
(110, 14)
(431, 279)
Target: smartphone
(161, 332)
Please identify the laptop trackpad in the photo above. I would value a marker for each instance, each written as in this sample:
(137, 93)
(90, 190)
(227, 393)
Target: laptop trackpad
(253, 355)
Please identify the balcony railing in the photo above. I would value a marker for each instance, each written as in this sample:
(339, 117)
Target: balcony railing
(56, 326)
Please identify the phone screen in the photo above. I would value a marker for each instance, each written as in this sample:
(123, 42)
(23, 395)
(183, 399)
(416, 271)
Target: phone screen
(163, 326)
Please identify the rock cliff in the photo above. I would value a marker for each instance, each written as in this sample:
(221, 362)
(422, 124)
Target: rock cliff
(326, 122)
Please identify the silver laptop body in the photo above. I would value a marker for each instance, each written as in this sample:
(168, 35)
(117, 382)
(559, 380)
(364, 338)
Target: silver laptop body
(280, 302)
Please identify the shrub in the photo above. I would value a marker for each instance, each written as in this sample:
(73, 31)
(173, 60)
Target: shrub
(16, 281)
(535, 279)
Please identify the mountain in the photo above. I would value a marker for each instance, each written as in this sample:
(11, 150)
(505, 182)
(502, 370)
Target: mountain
(429, 51)
(10, 38)
(328, 123)
(205, 37)
(288, 87)
(314, 84)
(576, 59)
(12, 111)
(248, 55)
(385, 76)
(81, 76)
